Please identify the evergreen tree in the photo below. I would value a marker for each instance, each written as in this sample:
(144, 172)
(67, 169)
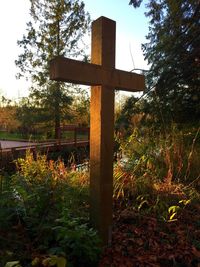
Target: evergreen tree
(81, 107)
(56, 28)
(123, 118)
(173, 52)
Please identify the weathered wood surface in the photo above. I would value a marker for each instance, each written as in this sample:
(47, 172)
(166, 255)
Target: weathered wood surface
(102, 131)
(11, 144)
(47, 145)
(104, 78)
(74, 71)
(9, 154)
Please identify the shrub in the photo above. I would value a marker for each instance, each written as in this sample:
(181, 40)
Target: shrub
(169, 157)
(157, 166)
(47, 213)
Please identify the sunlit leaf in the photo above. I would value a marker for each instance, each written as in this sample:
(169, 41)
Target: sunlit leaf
(185, 201)
(61, 262)
(35, 261)
(142, 204)
(172, 216)
(173, 209)
(13, 264)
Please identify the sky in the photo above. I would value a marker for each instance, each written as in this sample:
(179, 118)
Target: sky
(132, 27)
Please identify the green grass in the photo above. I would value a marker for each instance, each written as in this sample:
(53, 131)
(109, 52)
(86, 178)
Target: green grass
(11, 136)
(20, 136)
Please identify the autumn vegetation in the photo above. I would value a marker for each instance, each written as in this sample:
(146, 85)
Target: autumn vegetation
(44, 218)
(44, 208)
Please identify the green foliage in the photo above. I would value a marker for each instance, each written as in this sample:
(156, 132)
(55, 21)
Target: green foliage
(13, 264)
(135, 3)
(155, 166)
(8, 210)
(52, 260)
(173, 211)
(11, 136)
(80, 107)
(123, 120)
(172, 51)
(44, 211)
(164, 157)
(76, 240)
(55, 29)
(34, 120)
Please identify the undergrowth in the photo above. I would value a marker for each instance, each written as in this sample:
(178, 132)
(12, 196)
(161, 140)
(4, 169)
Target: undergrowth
(156, 201)
(44, 212)
(156, 165)
(44, 207)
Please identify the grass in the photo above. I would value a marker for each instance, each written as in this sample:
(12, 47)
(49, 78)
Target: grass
(20, 137)
(11, 136)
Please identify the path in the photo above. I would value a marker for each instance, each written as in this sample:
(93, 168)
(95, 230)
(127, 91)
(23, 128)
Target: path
(11, 144)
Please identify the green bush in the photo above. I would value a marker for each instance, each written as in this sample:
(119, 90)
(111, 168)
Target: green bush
(77, 240)
(45, 211)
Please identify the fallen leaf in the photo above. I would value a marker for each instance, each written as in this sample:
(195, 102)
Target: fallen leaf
(196, 252)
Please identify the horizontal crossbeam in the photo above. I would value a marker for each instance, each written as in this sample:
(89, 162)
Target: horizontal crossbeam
(78, 72)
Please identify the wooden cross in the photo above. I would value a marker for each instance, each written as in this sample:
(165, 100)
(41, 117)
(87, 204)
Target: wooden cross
(104, 79)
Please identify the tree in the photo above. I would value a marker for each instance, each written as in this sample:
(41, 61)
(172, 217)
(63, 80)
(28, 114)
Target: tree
(56, 28)
(173, 53)
(8, 110)
(28, 115)
(123, 118)
(81, 107)
(4, 101)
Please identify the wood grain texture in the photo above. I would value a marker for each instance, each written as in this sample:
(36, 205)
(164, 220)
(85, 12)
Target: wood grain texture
(102, 131)
(74, 71)
(104, 79)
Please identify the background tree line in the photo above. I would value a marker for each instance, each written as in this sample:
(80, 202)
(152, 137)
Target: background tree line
(57, 28)
(25, 118)
(173, 54)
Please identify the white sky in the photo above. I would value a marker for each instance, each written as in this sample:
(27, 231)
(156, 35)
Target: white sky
(132, 27)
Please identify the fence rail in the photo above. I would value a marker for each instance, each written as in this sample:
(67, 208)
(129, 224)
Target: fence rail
(8, 155)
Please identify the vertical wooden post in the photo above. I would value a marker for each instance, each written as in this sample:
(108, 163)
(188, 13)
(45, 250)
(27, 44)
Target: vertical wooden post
(75, 136)
(102, 114)
(59, 137)
(102, 129)
(88, 134)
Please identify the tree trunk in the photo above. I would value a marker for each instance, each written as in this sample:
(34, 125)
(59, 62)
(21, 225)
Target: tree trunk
(57, 114)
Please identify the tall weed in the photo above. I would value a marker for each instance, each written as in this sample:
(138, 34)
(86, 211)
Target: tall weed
(155, 166)
(169, 157)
